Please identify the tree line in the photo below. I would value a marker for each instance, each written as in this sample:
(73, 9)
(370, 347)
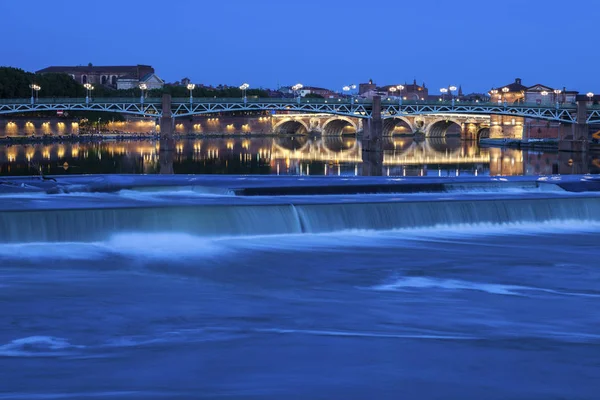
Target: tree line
(14, 83)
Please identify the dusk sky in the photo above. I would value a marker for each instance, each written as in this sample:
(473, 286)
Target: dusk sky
(473, 43)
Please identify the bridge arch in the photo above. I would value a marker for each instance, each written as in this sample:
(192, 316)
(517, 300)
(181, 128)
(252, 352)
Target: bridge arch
(443, 127)
(339, 126)
(293, 143)
(442, 145)
(397, 126)
(291, 126)
(483, 133)
(338, 144)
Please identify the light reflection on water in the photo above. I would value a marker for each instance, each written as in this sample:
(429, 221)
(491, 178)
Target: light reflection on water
(327, 155)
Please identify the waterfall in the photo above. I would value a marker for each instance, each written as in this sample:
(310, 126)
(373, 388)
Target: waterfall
(64, 225)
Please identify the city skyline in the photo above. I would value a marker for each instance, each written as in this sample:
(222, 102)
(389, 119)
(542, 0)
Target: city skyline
(327, 45)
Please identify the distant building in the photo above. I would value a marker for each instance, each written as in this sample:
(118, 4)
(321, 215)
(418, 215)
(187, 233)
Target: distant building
(326, 93)
(152, 81)
(413, 91)
(541, 94)
(516, 92)
(512, 93)
(527, 128)
(410, 91)
(101, 75)
(365, 88)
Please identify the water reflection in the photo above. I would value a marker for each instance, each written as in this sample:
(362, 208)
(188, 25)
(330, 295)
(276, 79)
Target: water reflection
(334, 155)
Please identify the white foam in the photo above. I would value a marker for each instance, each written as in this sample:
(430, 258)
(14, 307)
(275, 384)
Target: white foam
(139, 245)
(82, 395)
(364, 334)
(167, 245)
(418, 282)
(37, 346)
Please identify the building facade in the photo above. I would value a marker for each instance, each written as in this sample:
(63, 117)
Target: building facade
(101, 75)
(152, 81)
(528, 128)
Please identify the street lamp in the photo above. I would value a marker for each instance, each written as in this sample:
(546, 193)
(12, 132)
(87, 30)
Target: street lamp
(393, 90)
(190, 87)
(493, 93)
(296, 89)
(34, 88)
(348, 88)
(590, 95)
(243, 88)
(142, 87)
(88, 92)
(443, 91)
(544, 94)
(452, 89)
(400, 89)
(504, 91)
(556, 93)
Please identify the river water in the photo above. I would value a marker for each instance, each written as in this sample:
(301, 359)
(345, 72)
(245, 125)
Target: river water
(462, 295)
(195, 291)
(327, 155)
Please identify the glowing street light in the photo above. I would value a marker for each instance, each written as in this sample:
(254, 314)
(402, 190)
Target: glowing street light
(400, 89)
(88, 92)
(190, 87)
(503, 97)
(443, 91)
(34, 89)
(243, 88)
(296, 89)
(556, 93)
(347, 89)
(451, 89)
(142, 87)
(590, 95)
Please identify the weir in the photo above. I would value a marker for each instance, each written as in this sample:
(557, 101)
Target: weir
(97, 224)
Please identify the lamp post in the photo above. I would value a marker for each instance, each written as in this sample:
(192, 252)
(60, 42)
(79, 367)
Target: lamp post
(393, 90)
(142, 87)
(348, 88)
(296, 88)
(243, 88)
(88, 92)
(400, 89)
(494, 92)
(34, 89)
(504, 91)
(443, 91)
(190, 87)
(452, 89)
(590, 96)
(544, 95)
(556, 93)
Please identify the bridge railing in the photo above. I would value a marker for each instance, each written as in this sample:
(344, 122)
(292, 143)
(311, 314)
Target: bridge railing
(291, 101)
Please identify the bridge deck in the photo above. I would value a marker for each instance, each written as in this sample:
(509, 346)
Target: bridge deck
(360, 108)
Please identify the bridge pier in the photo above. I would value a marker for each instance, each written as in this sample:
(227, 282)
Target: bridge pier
(578, 140)
(167, 143)
(372, 144)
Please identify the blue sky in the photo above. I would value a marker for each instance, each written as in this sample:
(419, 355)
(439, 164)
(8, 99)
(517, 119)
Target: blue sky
(330, 43)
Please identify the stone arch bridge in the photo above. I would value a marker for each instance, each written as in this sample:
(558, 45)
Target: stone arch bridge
(344, 115)
(435, 125)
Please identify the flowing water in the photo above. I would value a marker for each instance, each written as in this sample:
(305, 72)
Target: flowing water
(188, 294)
